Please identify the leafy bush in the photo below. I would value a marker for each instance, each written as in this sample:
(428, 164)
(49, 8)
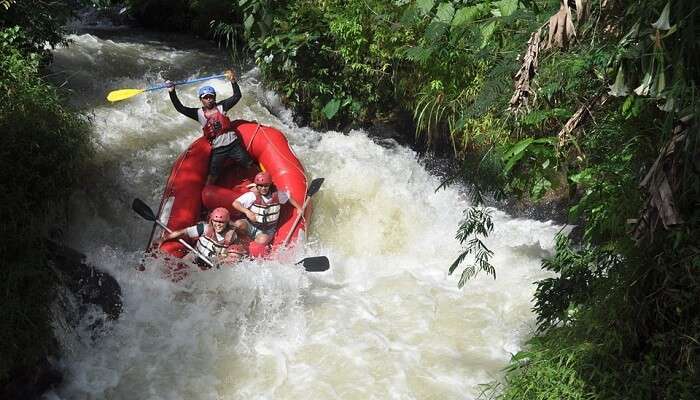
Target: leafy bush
(44, 148)
(334, 61)
(549, 370)
(628, 292)
(579, 281)
(41, 23)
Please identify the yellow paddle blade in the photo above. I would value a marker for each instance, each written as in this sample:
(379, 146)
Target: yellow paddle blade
(117, 95)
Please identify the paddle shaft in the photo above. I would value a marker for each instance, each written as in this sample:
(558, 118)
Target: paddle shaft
(123, 94)
(153, 229)
(183, 82)
(313, 188)
(296, 221)
(192, 249)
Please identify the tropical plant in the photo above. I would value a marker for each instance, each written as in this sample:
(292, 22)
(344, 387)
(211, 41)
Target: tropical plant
(624, 294)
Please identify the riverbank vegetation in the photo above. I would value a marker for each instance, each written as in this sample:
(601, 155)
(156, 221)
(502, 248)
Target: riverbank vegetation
(591, 103)
(45, 146)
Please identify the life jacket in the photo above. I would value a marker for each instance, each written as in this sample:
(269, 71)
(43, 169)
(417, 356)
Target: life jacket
(216, 125)
(209, 245)
(266, 214)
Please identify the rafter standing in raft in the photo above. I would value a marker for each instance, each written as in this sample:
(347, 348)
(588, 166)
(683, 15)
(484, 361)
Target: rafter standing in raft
(216, 126)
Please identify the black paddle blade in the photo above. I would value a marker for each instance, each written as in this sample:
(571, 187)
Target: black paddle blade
(143, 210)
(314, 186)
(315, 264)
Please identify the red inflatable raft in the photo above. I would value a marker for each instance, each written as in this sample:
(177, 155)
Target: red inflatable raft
(186, 200)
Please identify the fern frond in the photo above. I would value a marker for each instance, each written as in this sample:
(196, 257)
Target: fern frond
(477, 223)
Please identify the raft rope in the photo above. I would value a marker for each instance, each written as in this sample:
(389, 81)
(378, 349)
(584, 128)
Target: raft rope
(272, 144)
(253, 137)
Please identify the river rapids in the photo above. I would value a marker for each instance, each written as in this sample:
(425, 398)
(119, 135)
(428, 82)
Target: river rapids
(385, 322)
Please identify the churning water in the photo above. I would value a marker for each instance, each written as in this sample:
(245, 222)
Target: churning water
(385, 322)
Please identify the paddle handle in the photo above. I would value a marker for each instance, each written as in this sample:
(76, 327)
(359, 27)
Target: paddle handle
(296, 221)
(192, 249)
(184, 82)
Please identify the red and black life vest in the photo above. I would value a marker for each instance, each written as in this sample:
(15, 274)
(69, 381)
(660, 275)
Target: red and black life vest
(216, 125)
(266, 214)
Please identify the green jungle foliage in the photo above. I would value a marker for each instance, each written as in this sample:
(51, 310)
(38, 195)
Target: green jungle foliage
(41, 24)
(337, 63)
(350, 63)
(45, 146)
(619, 318)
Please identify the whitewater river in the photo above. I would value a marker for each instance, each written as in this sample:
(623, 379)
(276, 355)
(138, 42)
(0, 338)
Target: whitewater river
(385, 322)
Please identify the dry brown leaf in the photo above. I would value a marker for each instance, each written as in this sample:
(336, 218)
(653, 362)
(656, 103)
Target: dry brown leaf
(561, 31)
(570, 125)
(561, 25)
(528, 69)
(579, 116)
(583, 10)
(661, 183)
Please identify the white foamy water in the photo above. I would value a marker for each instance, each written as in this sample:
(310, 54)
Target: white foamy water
(385, 322)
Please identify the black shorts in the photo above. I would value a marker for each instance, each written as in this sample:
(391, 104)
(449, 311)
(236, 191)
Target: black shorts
(233, 151)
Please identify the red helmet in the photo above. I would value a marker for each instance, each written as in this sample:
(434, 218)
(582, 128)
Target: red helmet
(263, 178)
(220, 214)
